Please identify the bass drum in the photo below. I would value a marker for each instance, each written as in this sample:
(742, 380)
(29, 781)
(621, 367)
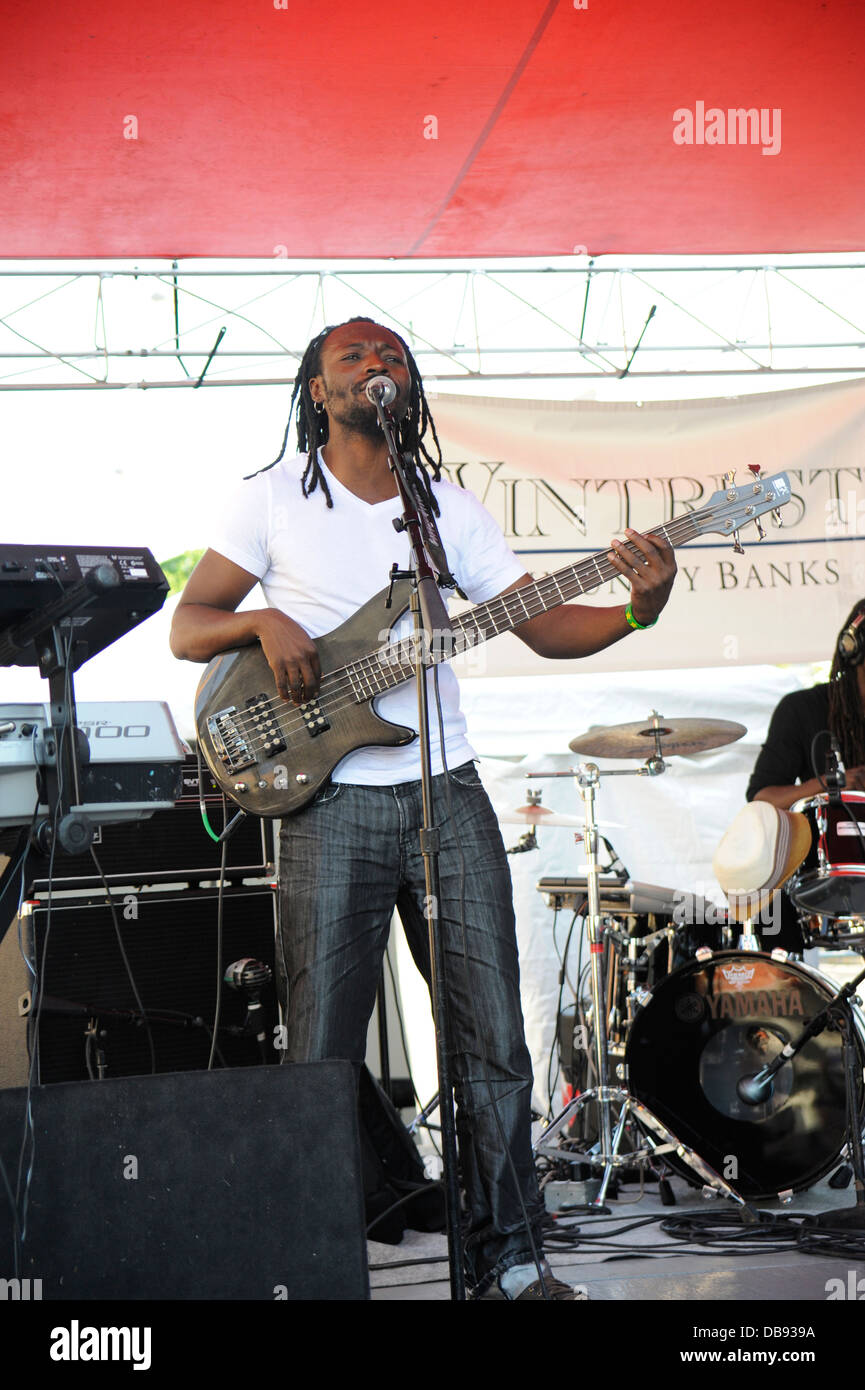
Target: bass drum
(715, 1021)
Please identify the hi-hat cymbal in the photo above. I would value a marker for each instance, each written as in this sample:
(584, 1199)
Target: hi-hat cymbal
(637, 740)
(542, 816)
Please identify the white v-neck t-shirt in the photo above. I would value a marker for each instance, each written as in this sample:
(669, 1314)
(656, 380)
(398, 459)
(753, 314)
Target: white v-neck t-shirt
(320, 564)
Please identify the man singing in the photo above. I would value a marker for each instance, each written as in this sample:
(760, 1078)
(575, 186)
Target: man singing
(316, 531)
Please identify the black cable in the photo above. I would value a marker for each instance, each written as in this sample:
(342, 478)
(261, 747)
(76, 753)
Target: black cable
(408, 1197)
(217, 1012)
(407, 1264)
(404, 1042)
(137, 997)
(555, 1044)
(536, 1258)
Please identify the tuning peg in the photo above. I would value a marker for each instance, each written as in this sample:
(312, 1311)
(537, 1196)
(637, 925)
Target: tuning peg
(760, 529)
(755, 469)
(736, 544)
(776, 512)
(729, 480)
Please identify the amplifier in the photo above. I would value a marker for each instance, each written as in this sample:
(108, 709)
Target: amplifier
(170, 943)
(169, 847)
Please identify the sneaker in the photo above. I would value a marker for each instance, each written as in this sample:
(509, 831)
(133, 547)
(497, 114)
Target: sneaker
(556, 1292)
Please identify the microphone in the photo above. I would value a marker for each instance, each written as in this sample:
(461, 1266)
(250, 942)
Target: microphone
(250, 977)
(753, 1090)
(850, 642)
(381, 389)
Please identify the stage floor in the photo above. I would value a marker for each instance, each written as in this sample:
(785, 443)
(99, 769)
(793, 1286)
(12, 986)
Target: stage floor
(672, 1270)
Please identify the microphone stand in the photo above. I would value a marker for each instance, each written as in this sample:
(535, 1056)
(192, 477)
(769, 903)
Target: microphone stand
(431, 623)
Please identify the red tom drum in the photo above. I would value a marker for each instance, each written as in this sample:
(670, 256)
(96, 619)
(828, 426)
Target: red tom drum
(834, 886)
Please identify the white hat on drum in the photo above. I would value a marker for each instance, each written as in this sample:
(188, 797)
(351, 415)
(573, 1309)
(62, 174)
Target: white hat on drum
(758, 853)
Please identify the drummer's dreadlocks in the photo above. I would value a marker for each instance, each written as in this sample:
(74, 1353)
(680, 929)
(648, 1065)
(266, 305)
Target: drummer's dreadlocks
(846, 721)
(312, 425)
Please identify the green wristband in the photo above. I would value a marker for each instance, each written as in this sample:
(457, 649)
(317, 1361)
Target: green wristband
(632, 621)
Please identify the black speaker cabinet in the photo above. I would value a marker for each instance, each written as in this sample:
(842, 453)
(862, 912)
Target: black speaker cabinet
(238, 1184)
(90, 1018)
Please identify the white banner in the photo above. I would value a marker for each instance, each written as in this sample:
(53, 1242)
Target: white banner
(562, 478)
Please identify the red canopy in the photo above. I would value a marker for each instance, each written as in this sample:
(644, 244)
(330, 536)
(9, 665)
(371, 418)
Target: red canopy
(272, 127)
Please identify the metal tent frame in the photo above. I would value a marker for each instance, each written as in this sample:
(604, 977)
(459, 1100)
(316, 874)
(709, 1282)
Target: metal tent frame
(184, 324)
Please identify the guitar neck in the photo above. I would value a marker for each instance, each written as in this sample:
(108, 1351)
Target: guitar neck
(392, 665)
(509, 610)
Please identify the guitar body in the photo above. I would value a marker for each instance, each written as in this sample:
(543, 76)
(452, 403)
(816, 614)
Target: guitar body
(236, 701)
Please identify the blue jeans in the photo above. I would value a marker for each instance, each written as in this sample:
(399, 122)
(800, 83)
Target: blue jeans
(346, 861)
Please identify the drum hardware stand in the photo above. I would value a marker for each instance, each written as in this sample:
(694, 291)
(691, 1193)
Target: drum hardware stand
(606, 1152)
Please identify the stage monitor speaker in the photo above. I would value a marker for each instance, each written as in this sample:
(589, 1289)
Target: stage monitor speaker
(239, 1184)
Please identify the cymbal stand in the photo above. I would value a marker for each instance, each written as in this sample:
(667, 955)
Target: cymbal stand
(606, 1153)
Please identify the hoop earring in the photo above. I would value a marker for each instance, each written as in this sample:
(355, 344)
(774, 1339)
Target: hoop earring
(318, 407)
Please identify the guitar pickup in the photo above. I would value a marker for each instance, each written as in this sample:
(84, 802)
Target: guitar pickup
(228, 741)
(265, 724)
(315, 721)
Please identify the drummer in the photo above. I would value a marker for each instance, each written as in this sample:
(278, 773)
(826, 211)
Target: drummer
(784, 771)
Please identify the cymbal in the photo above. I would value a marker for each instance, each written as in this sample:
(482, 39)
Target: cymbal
(542, 816)
(637, 740)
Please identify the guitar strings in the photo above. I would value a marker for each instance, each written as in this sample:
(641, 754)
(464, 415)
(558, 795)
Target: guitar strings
(339, 682)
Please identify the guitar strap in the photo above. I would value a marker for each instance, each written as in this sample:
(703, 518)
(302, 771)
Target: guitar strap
(432, 541)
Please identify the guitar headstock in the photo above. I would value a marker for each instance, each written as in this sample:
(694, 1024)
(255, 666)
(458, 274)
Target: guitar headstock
(734, 506)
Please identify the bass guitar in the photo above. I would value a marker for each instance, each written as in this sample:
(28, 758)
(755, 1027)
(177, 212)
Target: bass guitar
(272, 757)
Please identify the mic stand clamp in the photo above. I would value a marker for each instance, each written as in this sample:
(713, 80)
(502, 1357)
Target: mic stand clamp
(835, 776)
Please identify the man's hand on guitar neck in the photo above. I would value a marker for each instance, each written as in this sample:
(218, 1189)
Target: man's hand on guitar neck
(576, 630)
(650, 572)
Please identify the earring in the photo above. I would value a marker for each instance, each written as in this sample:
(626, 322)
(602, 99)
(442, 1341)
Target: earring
(408, 413)
(318, 407)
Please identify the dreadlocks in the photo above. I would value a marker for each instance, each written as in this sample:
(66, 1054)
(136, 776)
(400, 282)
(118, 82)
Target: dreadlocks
(846, 720)
(312, 424)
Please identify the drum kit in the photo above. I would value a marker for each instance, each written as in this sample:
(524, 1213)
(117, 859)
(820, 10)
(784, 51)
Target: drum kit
(697, 1051)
